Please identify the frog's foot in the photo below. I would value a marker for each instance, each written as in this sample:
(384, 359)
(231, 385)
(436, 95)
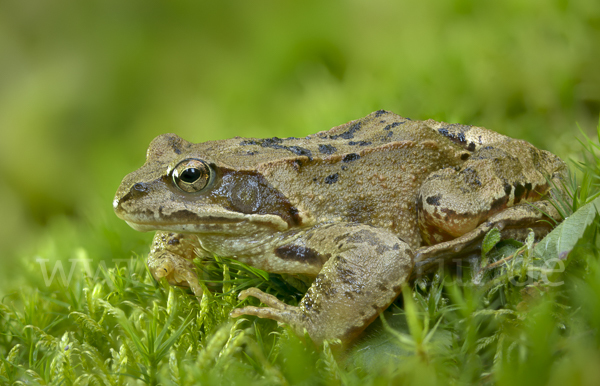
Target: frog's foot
(176, 270)
(172, 257)
(363, 276)
(514, 222)
(267, 299)
(277, 309)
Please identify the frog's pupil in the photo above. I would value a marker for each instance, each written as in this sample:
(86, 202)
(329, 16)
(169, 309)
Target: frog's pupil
(190, 175)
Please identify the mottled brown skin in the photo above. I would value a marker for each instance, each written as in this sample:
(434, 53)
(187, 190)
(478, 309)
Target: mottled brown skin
(362, 208)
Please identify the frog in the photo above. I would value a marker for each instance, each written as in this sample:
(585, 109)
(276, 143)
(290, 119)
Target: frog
(360, 210)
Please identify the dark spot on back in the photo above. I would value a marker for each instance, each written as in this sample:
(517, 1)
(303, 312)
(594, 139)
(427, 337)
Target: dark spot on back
(350, 157)
(299, 151)
(456, 133)
(359, 143)
(249, 142)
(379, 113)
(348, 134)
(332, 179)
(275, 143)
(391, 125)
(327, 149)
(267, 142)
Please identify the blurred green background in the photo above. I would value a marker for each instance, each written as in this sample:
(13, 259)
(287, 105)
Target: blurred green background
(86, 85)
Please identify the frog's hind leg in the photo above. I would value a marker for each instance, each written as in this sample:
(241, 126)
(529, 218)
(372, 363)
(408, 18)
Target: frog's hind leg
(514, 222)
(362, 277)
(171, 257)
(452, 202)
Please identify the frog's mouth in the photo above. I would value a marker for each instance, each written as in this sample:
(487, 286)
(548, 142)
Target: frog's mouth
(182, 227)
(186, 221)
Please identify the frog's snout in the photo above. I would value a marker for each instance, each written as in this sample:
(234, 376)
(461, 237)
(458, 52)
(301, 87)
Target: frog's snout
(123, 195)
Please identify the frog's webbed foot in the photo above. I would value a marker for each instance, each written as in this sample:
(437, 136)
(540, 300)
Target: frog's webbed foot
(171, 257)
(364, 274)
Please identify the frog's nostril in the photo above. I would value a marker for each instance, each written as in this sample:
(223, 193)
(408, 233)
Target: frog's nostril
(138, 190)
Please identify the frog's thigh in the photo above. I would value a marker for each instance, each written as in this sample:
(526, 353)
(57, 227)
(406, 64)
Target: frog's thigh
(171, 257)
(363, 276)
(448, 206)
(514, 222)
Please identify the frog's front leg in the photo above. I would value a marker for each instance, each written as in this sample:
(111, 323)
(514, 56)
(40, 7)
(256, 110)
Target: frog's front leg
(363, 275)
(171, 257)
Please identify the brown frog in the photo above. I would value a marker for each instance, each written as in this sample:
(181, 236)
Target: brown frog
(360, 208)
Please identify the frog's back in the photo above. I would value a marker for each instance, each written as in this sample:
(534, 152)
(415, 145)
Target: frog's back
(375, 132)
(365, 171)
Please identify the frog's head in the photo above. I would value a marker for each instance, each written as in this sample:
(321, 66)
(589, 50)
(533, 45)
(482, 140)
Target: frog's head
(181, 188)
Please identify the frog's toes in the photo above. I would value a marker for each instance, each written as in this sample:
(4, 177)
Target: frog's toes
(284, 316)
(177, 270)
(160, 266)
(276, 310)
(265, 298)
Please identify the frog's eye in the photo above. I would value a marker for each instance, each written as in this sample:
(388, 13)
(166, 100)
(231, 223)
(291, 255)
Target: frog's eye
(191, 175)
